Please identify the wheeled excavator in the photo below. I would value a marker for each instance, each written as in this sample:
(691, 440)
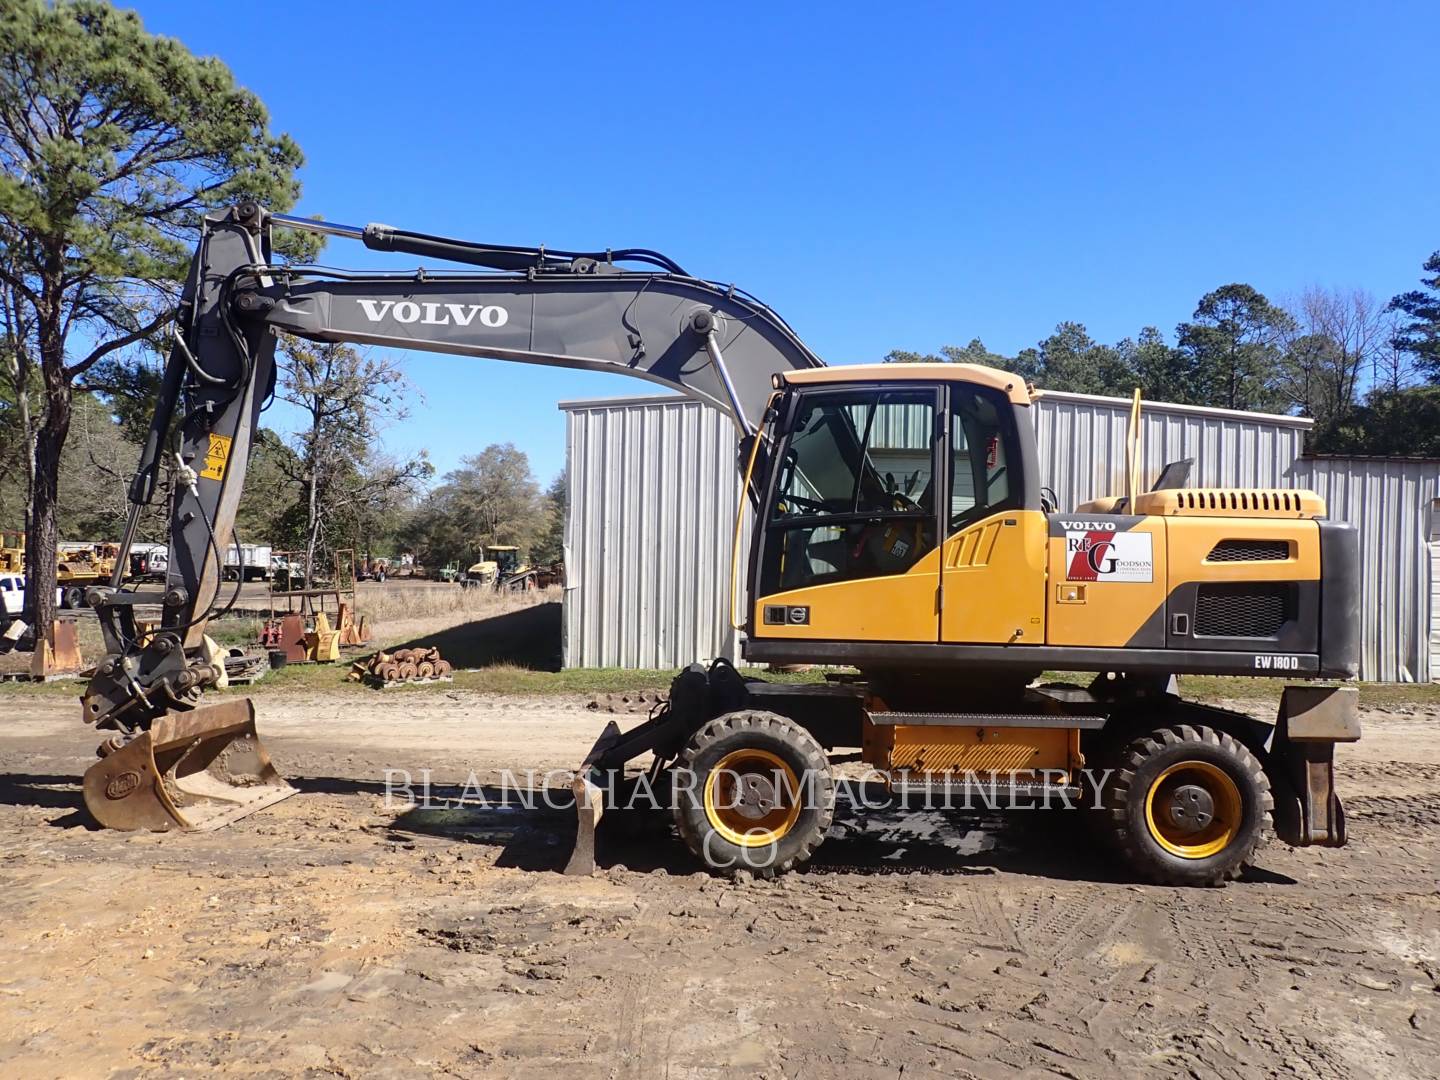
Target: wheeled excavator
(901, 536)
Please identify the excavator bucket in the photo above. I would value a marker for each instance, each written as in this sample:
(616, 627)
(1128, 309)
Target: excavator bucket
(197, 770)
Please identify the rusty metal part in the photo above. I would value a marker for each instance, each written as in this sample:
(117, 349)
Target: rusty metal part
(63, 659)
(290, 638)
(197, 770)
(402, 665)
(354, 629)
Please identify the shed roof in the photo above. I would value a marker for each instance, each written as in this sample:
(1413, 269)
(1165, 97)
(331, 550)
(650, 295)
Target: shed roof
(1304, 423)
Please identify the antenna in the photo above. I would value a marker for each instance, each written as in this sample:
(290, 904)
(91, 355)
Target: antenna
(1133, 443)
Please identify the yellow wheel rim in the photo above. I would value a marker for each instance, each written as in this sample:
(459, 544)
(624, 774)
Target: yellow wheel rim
(1194, 810)
(752, 798)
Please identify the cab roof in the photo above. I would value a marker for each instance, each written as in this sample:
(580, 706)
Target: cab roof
(1010, 384)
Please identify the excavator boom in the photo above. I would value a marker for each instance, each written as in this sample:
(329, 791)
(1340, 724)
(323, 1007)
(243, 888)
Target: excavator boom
(632, 311)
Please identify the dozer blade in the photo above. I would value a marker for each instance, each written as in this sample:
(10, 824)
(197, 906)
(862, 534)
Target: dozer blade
(197, 770)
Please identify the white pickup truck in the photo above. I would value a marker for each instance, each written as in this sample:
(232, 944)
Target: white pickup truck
(12, 595)
(148, 562)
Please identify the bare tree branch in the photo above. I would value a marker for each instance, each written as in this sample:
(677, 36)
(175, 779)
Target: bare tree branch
(76, 370)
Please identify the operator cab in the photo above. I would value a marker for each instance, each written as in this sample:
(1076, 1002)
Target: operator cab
(876, 470)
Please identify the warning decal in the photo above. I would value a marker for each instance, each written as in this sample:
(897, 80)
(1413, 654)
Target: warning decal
(216, 458)
(1096, 555)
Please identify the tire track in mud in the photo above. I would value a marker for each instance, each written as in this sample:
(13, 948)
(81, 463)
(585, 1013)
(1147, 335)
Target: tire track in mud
(1410, 812)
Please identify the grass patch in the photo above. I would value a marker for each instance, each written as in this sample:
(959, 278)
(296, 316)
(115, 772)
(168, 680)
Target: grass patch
(234, 632)
(1239, 688)
(514, 680)
(397, 600)
(509, 679)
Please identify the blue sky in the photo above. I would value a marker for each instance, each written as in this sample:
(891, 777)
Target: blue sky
(884, 175)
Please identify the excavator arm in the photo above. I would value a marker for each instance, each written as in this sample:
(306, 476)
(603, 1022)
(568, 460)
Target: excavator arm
(589, 310)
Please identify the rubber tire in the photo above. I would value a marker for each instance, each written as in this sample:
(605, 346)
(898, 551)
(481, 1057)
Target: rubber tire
(73, 597)
(1144, 760)
(787, 740)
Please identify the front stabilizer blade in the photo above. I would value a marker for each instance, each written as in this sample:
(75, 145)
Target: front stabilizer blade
(589, 805)
(198, 770)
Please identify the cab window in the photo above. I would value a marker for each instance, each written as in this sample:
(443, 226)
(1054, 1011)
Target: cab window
(855, 491)
(983, 438)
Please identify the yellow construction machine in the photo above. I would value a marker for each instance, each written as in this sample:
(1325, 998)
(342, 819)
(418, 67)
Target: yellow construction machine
(76, 565)
(81, 565)
(12, 552)
(902, 534)
(501, 568)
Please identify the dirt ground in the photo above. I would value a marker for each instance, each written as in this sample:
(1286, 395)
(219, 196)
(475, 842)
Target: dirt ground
(330, 935)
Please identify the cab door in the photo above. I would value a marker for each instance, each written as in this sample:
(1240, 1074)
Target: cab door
(849, 547)
(993, 584)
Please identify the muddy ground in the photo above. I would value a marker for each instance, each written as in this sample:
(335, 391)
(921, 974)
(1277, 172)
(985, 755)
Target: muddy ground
(330, 935)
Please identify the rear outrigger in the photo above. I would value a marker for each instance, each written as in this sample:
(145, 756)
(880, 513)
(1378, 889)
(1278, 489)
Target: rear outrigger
(901, 533)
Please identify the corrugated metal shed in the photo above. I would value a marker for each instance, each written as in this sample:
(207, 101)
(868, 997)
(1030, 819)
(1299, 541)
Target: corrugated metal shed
(651, 502)
(1392, 502)
(1082, 444)
(653, 490)
(1435, 599)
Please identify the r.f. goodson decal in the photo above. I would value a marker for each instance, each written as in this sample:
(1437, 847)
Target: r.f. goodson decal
(430, 313)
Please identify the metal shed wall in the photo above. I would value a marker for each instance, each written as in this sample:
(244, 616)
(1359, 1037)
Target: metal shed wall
(653, 489)
(1391, 501)
(1082, 445)
(651, 501)
(1434, 607)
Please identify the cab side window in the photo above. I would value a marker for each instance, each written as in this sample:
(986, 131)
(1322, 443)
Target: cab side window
(983, 442)
(855, 494)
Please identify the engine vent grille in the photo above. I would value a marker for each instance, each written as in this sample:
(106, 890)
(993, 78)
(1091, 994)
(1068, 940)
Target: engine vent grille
(1248, 609)
(1249, 551)
(1284, 501)
(1232, 502)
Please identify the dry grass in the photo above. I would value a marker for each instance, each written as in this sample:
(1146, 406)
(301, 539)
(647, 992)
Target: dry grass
(402, 612)
(401, 601)
(397, 611)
